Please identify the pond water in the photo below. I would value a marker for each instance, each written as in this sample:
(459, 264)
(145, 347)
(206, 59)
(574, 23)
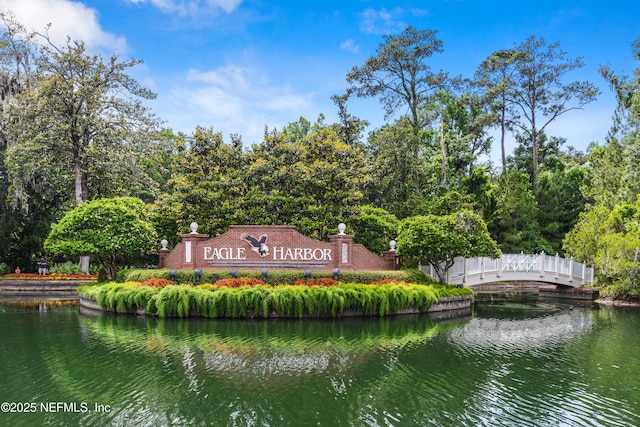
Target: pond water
(523, 363)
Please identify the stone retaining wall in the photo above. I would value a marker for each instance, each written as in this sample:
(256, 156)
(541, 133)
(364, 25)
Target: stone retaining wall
(445, 304)
(49, 288)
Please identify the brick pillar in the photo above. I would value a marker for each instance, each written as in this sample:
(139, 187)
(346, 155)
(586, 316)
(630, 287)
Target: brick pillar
(190, 242)
(392, 259)
(162, 254)
(343, 244)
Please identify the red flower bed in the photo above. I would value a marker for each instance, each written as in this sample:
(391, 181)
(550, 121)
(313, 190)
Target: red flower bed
(236, 282)
(322, 281)
(34, 276)
(155, 282)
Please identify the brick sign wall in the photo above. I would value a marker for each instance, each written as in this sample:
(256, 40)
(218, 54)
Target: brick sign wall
(272, 247)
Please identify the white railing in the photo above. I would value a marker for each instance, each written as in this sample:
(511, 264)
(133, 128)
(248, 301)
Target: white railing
(510, 267)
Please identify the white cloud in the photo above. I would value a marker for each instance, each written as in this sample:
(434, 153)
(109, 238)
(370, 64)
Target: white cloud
(382, 21)
(349, 46)
(192, 7)
(234, 99)
(228, 77)
(287, 102)
(68, 18)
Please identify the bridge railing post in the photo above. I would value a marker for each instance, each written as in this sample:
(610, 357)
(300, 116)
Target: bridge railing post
(541, 258)
(557, 268)
(571, 270)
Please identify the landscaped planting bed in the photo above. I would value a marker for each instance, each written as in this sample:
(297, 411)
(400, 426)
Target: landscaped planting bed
(244, 297)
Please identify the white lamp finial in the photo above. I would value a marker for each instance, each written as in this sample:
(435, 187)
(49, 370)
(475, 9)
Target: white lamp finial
(341, 228)
(194, 228)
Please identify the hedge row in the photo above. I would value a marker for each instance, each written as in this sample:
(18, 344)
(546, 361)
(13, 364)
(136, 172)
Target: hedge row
(275, 277)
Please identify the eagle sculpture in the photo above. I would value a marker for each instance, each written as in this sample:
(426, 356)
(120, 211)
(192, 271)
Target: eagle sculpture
(258, 246)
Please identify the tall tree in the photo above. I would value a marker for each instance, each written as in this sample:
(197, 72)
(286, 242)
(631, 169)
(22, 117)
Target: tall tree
(82, 117)
(481, 191)
(560, 202)
(206, 185)
(400, 76)
(81, 106)
(399, 177)
(550, 154)
(514, 224)
(458, 126)
(540, 94)
(304, 175)
(606, 179)
(626, 126)
(496, 76)
(349, 127)
(16, 57)
(28, 202)
(627, 91)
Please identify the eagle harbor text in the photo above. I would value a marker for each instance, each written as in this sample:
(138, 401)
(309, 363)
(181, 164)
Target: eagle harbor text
(272, 246)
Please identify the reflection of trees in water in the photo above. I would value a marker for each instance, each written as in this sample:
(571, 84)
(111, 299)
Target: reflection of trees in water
(266, 348)
(508, 335)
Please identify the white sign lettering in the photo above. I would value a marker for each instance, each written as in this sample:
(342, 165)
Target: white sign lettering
(301, 254)
(227, 254)
(279, 254)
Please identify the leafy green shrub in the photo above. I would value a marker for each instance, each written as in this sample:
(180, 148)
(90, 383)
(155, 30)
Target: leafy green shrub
(67, 267)
(121, 274)
(4, 268)
(102, 228)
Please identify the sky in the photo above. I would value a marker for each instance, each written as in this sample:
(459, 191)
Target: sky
(240, 65)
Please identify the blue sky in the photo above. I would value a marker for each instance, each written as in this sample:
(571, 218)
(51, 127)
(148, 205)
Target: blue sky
(238, 65)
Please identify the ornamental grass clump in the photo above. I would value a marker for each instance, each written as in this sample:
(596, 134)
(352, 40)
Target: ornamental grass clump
(121, 297)
(249, 297)
(172, 301)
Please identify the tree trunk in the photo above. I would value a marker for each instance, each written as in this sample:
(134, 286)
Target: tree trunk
(503, 131)
(443, 148)
(534, 155)
(84, 264)
(80, 180)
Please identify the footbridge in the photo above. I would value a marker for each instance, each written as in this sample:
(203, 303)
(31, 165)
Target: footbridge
(517, 267)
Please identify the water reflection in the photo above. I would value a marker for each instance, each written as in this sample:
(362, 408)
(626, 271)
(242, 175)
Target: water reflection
(513, 365)
(265, 348)
(518, 335)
